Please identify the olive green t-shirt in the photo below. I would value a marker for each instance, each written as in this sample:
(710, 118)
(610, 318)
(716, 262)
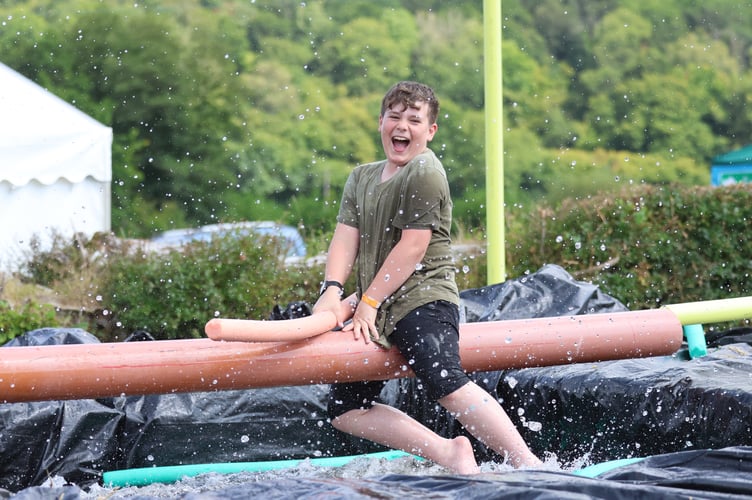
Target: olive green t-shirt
(416, 197)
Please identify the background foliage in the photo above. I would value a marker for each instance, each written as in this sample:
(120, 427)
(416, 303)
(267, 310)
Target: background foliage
(230, 110)
(29, 316)
(236, 110)
(646, 246)
(173, 295)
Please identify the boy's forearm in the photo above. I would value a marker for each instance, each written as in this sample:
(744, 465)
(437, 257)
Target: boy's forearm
(341, 254)
(400, 264)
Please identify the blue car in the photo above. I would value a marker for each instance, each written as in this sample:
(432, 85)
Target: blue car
(289, 236)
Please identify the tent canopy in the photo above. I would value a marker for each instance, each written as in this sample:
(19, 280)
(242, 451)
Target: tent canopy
(55, 166)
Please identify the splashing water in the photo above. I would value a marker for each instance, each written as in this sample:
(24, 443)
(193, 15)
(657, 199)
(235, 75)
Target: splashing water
(356, 470)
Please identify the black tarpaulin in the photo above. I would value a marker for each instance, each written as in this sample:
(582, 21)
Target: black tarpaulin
(547, 293)
(596, 411)
(703, 474)
(634, 407)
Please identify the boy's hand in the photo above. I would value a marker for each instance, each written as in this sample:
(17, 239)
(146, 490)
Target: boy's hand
(363, 323)
(330, 301)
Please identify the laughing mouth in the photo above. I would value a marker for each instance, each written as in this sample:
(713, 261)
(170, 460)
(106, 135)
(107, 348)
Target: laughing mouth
(400, 143)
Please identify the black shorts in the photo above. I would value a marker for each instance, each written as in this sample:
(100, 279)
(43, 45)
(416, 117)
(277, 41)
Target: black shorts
(428, 337)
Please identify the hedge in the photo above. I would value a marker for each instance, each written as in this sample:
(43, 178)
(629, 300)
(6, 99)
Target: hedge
(647, 246)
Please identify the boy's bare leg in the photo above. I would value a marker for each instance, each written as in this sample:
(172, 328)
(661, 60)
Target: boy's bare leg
(393, 428)
(484, 418)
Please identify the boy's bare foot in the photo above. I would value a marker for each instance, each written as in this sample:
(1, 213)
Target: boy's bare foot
(461, 456)
(528, 461)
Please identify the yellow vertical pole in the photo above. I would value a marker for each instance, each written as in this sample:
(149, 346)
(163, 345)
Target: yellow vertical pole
(494, 141)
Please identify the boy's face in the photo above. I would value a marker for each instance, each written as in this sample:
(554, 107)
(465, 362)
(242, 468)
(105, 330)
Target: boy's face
(405, 132)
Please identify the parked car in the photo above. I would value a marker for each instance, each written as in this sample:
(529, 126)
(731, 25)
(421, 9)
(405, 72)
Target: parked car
(288, 236)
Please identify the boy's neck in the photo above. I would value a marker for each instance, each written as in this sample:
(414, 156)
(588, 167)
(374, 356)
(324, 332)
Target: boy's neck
(390, 170)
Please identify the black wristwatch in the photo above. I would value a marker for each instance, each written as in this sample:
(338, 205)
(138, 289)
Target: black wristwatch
(327, 284)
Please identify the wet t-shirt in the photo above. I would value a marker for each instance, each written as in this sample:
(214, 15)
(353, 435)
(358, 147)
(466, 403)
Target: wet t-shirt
(416, 197)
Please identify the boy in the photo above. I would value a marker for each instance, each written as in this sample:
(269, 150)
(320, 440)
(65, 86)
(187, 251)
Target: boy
(393, 225)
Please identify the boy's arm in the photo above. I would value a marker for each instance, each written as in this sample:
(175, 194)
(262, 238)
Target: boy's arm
(399, 265)
(339, 264)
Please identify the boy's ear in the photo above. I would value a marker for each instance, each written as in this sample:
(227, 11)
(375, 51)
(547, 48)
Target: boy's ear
(432, 131)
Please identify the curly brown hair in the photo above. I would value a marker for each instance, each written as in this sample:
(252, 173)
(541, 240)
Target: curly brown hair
(410, 94)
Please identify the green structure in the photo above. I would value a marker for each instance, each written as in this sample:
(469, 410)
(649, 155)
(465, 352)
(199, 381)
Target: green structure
(732, 168)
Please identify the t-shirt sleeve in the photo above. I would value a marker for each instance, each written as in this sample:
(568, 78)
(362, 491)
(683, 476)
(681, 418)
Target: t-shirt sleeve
(425, 191)
(348, 208)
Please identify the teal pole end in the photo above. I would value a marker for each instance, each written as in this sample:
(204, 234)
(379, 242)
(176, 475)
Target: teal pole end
(695, 336)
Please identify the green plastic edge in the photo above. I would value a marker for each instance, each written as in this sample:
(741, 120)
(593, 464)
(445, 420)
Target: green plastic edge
(596, 470)
(172, 473)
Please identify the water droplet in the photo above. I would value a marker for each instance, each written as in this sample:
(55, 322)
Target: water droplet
(534, 426)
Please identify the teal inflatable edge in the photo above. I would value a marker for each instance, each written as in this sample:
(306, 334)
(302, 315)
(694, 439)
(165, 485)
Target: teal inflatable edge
(172, 473)
(596, 470)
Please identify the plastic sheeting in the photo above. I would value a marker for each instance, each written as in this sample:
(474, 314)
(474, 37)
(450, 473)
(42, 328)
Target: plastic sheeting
(70, 438)
(636, 407)
(549, 292)
(80, 439)
(614, 409)
(606, 410)
(712, 475)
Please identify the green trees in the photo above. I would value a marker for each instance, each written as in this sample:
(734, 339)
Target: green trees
(256, 110)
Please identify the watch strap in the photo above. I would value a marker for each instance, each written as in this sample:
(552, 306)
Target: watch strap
(326, 284)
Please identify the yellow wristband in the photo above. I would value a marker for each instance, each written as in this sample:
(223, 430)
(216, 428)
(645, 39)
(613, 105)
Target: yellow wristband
(370, 301)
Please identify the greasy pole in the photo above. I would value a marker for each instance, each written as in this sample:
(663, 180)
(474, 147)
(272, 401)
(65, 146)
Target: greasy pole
(82, 371)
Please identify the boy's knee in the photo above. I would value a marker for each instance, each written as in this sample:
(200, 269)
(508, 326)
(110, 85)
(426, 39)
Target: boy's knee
(344, 421)
(454, 394)
(336, 422)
